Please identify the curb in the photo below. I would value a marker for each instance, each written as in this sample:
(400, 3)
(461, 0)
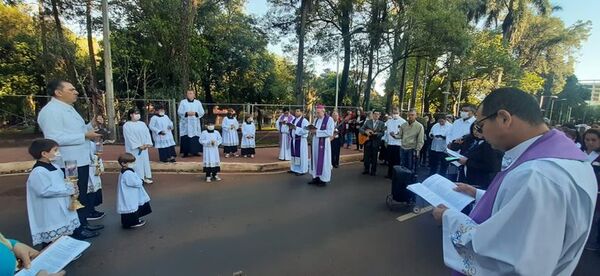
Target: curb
(182, 167)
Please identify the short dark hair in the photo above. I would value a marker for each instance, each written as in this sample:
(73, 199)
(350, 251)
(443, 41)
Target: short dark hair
(41, 145)
(132, 111)
(125, 158)
(52, 86)
(285, 109)
(473, 108)
(159, 106)
(516, 101)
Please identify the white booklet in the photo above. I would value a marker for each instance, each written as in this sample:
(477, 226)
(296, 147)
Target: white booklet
(437, 190)
(56, 256)
(454, 154)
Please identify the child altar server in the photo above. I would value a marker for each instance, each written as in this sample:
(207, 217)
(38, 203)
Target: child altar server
(248, 137)
(230, 127)
(162, 133)
(133, 202)
(210, 140)
(137, 142)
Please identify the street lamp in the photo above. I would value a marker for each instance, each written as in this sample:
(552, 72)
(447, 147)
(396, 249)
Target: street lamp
(542, 102)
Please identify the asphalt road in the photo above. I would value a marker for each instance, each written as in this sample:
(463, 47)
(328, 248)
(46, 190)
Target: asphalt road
(262, 224)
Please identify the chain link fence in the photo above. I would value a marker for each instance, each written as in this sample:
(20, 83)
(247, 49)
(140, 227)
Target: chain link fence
(18, 115)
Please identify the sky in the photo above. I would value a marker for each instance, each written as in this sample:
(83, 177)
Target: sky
(588, 57)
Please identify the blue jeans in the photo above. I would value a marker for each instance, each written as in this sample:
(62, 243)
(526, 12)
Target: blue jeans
(407, 158)
(348, 138)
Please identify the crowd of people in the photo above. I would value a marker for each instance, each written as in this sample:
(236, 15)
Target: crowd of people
(511, 162)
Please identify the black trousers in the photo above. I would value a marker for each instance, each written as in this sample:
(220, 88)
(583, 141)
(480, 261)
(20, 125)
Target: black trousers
(437, 163)
(166, 153)
(190, 145)
(131, 219)
(336, 145)
(393, 158)
(370, 157)
(358, 146)
(83, 176)
(211, 171)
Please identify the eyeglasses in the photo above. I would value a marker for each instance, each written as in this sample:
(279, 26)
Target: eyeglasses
(479, 126)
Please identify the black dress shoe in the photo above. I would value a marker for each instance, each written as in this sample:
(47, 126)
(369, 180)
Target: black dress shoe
(365, 172)
(85, 234)
(313, 182)
(94, 227)
(372, 174)
(321, 184)
(299, 174)
(290, 171)
(388, 176)
(336, 166)
(95, 215)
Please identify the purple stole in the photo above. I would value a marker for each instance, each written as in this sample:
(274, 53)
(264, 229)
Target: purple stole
(297, 139)
(321, 154)
(553, 144)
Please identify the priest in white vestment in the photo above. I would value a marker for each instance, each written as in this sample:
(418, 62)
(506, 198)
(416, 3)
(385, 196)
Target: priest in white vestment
(137, 142)
(321, 148)
(190, 113)
(299, 146)
(535, 217)
(285, 140)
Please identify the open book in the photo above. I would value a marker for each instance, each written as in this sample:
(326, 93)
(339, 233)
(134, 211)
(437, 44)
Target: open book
(437, 190)
(56, 256)
(453, 155)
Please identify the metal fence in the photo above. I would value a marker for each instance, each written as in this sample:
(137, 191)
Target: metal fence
(18, 114)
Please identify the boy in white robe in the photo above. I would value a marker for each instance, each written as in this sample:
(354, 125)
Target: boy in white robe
(299, 133)
(535, 216)
(137, 142)
(230, 127)
(248, 137)
(49, 196)
(210, 140)
(162, 134)
(190, 113)
(133, 201)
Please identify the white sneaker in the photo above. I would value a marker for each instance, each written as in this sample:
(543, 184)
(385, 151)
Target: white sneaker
(208, 179)
(217, 178)
(148, 181)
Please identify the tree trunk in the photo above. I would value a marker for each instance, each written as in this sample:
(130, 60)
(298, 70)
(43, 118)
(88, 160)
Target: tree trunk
(96, 95)
(61, 38)
(402, 91)
(346, 11)
(188, 11)
(369, 82)
(425, 74)
(415, 85)
(301, 32)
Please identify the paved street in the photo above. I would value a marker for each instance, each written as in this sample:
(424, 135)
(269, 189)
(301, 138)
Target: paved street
(262, 224)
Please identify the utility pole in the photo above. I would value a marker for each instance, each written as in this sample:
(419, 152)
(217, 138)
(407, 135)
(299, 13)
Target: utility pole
(110, 94)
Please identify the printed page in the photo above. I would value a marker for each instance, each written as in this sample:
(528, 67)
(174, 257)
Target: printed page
(440, 190)
(56, 256)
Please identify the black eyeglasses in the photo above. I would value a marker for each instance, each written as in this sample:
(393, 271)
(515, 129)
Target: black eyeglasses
(478, 124)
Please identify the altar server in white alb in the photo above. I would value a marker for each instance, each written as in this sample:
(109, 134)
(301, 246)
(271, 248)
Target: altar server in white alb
(299, 134)
(133, 202)
(137, 142)
(94, 189)
(190, 112)
(248, 137)
(230, 127)
(162, 133)
(285, 140)
(210, 140)
(322, 132)
(49, 196)
(535, 216)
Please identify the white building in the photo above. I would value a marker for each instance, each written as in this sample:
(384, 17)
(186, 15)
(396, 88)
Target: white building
(593, 85)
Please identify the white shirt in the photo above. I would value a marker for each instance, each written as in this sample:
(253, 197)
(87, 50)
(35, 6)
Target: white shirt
(190, 125)
(60, 122)
(393, 126)
(439, 144)
(164, 124)
(460, 128)
(540, 221)
(592, 156)
(130, 193)
(136, 134)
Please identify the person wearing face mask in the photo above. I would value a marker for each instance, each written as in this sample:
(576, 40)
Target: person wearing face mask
(392, 129)
(481, 162)
(162, 134)
(230, 127)
(248, 137)
(49, 197)
(437, 155)
(133, 202)
(462, 126)
(190, 113)
(210, 140)
(137, 142)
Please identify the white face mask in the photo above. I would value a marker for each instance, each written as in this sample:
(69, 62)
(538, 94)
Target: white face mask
(131, 165)
(161, 113)
(396, 116)
(250, 120)
(136, 117)
(464, 114)
(56, 156)
(210, 127)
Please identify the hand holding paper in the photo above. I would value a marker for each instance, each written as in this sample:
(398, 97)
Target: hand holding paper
(56, 256)
(438, 190)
